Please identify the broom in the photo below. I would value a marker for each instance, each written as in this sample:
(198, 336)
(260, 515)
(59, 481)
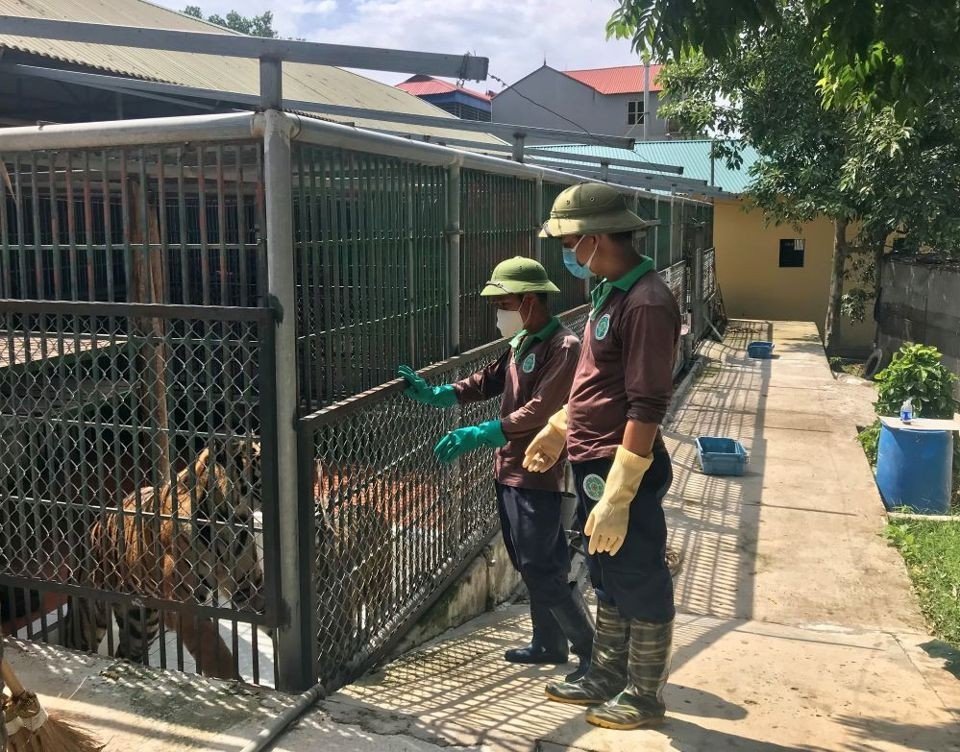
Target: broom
(30, 729)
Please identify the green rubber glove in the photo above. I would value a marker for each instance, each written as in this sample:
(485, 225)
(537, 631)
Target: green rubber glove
(463, 440)
(422, 392)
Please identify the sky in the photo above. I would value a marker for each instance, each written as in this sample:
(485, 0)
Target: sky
(516, 35)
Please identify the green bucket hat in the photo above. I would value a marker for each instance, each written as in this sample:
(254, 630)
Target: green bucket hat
(517, 276)
(591, 209)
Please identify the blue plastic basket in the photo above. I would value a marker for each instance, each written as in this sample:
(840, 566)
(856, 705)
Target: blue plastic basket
(760, 349)
(721, 456)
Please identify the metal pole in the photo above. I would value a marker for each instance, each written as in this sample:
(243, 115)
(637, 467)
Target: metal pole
(656, 234)
(453, 246)
(538, 209)
(712, 171)
(411, 276)
(293, 645)
(699, 324)
(271, 83)
(605, 172)
(518, 140)
(646, 95)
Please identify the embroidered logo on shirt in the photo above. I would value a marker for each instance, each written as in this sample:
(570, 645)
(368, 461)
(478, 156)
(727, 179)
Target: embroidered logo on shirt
(593, 486)
(603, 326)
(529, 363)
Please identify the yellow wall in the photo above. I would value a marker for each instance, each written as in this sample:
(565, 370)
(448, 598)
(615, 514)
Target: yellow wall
(755, 287)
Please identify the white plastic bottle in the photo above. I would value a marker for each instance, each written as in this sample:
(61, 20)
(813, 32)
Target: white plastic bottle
(906, 410)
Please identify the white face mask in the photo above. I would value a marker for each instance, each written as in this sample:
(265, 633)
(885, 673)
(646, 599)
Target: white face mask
(509, 322)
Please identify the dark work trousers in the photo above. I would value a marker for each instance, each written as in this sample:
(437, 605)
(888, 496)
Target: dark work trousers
(636, 580)
(535, 541)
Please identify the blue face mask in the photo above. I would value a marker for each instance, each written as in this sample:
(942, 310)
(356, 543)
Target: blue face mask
(578, 270)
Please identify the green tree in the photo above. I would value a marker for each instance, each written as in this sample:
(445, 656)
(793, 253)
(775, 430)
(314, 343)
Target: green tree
(852, 165)
(257, 26)
(873, 53)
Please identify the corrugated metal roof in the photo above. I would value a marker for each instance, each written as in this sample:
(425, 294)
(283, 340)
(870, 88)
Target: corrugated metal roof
(422, 86)
(314, 83)
(623, 79)
(692, 155)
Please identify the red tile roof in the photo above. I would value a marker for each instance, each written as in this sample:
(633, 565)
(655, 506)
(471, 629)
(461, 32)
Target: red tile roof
(624, 79)
(421, 86)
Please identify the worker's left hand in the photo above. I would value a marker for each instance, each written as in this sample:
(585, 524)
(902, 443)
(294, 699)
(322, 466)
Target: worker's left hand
(463, 440)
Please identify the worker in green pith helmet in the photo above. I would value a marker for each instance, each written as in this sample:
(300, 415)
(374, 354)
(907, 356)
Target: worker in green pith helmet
(533, 379)
(610, 429)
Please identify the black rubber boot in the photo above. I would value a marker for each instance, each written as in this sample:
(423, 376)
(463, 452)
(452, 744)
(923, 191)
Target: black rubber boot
(549, 645)
(640, 705)
(577, 624)
(607, 674)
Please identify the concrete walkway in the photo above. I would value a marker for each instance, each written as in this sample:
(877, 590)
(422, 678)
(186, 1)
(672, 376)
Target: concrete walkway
(797, 631)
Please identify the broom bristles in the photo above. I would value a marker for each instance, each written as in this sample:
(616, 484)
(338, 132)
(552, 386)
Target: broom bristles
(31, 729)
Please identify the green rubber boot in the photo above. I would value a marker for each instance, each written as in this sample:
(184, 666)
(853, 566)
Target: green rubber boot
(640, 705)
(607, 674)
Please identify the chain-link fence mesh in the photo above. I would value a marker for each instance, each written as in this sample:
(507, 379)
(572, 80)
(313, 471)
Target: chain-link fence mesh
(131, 498)
(391, 522)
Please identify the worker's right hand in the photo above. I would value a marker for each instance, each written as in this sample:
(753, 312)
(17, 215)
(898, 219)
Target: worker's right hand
(547, 446)
(422, 392)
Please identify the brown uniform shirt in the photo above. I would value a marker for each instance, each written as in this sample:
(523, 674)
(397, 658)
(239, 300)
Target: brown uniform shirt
(534, 377)
(626, 364)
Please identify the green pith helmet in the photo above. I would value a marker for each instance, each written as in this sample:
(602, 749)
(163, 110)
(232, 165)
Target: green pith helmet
(517, 276)
(591, 209)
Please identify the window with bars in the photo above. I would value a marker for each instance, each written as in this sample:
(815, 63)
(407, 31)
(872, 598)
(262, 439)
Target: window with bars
(635, 113)
(791, 253)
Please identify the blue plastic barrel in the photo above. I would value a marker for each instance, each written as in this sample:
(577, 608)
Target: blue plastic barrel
(914, 469)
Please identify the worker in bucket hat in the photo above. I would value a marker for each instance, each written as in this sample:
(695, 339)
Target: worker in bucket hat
(533, 379)
(610, 429)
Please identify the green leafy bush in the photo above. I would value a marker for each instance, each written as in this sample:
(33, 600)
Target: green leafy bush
(918, 373)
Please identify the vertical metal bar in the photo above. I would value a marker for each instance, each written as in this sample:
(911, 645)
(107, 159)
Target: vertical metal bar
(6, 282)
(407, 196)
(55, 259)
(271, 84)
(88, 228)
(538, 210)
(223, 264)
(327, 264)
(202, 218)
(183, 228)
(71, 227)
(21, 230)
(673, 235)
(656, 234)
(241, 229)
(453, 231)
(294, 638)
(302, 240)
(518, 141)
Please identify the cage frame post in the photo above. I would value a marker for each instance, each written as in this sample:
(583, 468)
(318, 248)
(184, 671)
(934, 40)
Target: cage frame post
(293, 638)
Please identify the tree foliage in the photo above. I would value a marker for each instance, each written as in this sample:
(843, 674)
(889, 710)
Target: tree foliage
(257, 26)
(860, 166)
(867, 53)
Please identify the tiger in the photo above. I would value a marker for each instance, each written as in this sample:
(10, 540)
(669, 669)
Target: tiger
(192, 539)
